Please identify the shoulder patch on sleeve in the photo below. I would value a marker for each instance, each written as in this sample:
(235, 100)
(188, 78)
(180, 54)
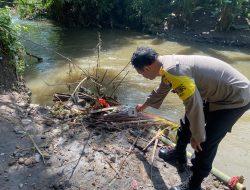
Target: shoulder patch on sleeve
(184, 86)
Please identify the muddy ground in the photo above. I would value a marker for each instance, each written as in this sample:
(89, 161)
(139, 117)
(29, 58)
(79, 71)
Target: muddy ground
(75, 156)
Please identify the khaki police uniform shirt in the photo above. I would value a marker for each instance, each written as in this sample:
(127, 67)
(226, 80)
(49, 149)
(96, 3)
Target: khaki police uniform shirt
(196, 79)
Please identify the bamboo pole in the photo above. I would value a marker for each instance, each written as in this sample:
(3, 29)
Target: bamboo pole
(217, 173)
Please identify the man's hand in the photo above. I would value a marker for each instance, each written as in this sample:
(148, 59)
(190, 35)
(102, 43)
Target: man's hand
(140, 107)
(195, 145)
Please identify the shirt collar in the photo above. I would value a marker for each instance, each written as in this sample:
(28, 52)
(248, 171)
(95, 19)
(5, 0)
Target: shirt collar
(161, 71)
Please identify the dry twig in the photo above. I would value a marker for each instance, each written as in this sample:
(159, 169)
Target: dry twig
(119, 84)
(153, 154)
(73, 95)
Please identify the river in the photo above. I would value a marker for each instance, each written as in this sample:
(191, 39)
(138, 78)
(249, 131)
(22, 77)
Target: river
(117, 48)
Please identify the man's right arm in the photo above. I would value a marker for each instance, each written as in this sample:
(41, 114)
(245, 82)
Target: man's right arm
(157, 96)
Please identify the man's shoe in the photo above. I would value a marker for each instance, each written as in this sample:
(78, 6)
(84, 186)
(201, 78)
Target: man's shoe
(185, 186)
(169, 154)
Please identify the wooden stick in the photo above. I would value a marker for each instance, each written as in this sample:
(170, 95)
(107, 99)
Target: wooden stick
(30, 137)
(104, 109)
(37, 148)
(153, 155)
(39, 59)
(135, 122)
(131, 149)
(87, 95)
(157, 136)
(112, 167)
(78, 86)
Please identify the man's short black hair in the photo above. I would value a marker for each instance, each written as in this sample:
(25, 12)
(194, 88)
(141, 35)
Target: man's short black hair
(143, 56)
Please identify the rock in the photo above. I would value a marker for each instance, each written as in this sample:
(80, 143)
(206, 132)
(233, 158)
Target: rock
(134, 184)
(37, 157)
(82, 102)
(29, 93)
(205, 33)
(56, 132)
(46, 156)
(2, 154)
(49, 163)
(43, 137)
(12, 162)
(18, 154)
(26, 121)
(216, 184)
(23, 104)
(18, 147)
(113, 159)
(65, 127)
(29, 161)
(6, 178)
(42, 110)
(71, 134)
(20, 185)
(49, 122)
(90, 159)
(19, 132)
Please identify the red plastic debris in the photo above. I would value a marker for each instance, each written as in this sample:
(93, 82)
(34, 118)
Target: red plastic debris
(233, 181)
(134, 185)
(103, 103)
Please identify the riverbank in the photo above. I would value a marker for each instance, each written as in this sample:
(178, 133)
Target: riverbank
(64, 143)
(203, 31)
(76, 156)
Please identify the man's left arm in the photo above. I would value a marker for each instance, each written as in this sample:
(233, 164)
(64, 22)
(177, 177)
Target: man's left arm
(195, 114)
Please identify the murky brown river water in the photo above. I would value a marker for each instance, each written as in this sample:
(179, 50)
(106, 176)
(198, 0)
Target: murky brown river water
(79, 45)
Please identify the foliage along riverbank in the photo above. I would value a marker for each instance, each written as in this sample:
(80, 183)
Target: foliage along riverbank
(11, 52)
(224, 22)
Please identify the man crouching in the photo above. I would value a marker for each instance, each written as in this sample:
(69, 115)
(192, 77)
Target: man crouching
(215, 96)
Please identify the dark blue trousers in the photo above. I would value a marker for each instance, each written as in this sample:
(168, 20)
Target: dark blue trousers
(218, 124)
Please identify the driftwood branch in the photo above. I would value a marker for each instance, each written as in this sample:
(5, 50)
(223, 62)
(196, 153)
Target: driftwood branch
(39, 59)
(73, 95)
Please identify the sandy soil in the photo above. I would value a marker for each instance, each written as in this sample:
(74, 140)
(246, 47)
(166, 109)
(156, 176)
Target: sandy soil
(76, 156)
